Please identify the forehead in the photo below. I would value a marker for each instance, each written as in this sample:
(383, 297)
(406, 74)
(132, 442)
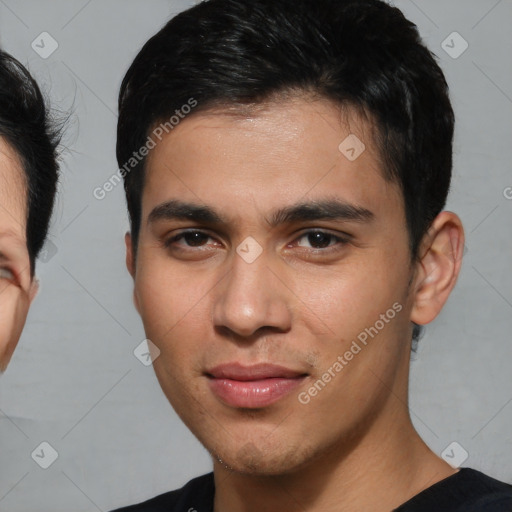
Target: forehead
(12, 194)
(274, 154)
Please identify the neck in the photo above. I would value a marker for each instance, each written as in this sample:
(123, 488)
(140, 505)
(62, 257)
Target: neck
(390, 465)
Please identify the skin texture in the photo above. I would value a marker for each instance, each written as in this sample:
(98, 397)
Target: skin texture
(17, 288)
(352, 445)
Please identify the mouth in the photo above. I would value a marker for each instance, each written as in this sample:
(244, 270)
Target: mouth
(252, 387)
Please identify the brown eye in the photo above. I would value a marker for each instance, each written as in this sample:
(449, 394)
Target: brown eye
(195, 238)
(319, 240)
(190, 239)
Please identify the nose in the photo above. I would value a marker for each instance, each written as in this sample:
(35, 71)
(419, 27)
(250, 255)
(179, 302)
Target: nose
(252, 299)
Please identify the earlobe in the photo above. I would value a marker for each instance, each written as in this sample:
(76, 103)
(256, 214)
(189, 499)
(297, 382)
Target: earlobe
(439, 266)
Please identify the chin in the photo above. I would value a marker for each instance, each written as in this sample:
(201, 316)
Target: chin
(263, 458)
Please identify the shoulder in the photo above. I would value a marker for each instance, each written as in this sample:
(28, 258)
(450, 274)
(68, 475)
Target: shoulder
(491, 495)
(195, 496)
(466, 491)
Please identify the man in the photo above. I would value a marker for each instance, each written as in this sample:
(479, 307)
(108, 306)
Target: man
(28, 180)
(286, 163)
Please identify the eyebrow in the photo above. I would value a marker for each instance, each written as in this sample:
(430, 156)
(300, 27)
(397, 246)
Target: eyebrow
(332, 209)
(179, 210)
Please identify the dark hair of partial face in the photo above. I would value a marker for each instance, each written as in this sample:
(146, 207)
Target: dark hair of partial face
(26, 126)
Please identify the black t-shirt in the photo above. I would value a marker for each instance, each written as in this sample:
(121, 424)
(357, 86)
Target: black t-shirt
(465, 491)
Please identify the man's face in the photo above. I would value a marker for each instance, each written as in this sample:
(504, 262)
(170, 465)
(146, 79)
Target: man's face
(16, 286)
(327, 263)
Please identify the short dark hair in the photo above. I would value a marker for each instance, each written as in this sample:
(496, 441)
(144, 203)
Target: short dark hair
(358, 53)
(25, 124)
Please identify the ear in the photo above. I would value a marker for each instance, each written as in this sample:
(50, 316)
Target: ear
(440, 261)
(14, 309)
(130, 265)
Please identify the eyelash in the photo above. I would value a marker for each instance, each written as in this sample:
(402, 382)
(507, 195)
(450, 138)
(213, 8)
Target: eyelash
(340, 241)
(168, 243)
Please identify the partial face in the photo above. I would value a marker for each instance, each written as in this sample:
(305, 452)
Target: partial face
(16, 285)
(272, 274)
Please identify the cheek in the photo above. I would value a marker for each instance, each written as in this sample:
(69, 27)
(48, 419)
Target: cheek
(175, 309)
(6, 345)
(167, 296)
(346, 300)
(13, 314)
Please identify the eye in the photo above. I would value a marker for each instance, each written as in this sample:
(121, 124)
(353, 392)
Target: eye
(188, 239)
(319, 240)
(5, 273)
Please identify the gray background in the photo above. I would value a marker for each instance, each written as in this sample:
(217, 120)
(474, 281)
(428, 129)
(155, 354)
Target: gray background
(74, 381)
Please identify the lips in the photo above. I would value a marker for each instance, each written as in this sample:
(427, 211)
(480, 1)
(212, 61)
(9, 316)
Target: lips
(252, 387)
